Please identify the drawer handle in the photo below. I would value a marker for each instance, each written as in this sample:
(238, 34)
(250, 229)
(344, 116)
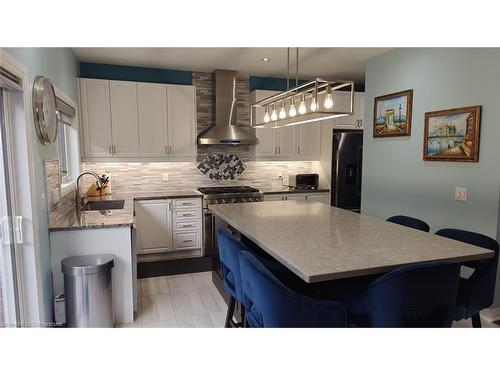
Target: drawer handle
(187, 215)
(186, 241)
(186, 204)
(187, 226)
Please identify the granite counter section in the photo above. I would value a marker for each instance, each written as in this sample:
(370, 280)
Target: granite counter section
(291, 190)
(319, 242)
(113, 218)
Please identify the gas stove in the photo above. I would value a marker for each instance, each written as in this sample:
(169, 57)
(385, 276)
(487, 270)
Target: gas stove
(229, 194)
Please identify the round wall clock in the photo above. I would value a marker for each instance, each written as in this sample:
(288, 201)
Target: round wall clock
(44, 110)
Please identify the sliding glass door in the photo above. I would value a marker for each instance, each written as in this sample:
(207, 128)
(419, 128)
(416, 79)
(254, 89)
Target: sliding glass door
(9, 301)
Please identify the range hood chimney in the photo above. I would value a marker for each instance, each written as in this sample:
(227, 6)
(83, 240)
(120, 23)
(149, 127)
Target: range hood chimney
(225, 130)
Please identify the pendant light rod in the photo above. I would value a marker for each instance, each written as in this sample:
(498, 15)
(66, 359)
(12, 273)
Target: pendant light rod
(288, 69)
(297, 68)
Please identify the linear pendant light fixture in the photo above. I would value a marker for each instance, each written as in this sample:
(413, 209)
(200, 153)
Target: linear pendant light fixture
(306, 103)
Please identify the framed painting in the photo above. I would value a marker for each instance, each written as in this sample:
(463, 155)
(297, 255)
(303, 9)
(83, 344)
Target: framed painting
(392, 115)
(452, 134)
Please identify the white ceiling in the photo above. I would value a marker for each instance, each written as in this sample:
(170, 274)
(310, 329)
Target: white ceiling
(341, 63)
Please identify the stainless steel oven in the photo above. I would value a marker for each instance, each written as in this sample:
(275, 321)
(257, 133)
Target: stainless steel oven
(220, 195)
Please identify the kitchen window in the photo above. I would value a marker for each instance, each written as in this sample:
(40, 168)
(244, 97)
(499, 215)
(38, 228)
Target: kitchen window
(67, 143)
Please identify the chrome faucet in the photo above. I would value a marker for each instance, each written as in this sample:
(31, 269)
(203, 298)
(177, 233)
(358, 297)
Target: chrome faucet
(80, 201)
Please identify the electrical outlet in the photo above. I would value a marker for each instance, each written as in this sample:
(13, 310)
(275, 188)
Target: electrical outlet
(164, 177)
(461, 194)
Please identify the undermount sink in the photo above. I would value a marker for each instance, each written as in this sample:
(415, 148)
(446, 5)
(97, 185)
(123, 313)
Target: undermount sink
(104, 205)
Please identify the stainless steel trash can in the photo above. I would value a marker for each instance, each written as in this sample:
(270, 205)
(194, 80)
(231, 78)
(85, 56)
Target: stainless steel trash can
(88, 286)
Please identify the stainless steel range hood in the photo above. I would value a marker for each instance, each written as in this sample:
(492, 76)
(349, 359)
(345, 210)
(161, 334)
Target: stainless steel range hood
(225, 130)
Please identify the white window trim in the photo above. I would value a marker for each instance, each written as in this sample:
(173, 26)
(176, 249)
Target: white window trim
(67, 187)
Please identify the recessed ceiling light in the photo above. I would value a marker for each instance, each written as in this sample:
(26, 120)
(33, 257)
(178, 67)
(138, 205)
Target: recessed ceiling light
(266, 59)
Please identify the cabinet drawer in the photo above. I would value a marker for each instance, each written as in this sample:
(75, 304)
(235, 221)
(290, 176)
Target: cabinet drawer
(181, 204)
(186, 226)
(187, 214)
(186, 241)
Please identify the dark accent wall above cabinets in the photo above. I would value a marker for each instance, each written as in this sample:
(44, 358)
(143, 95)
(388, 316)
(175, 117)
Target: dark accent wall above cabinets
(135, 73)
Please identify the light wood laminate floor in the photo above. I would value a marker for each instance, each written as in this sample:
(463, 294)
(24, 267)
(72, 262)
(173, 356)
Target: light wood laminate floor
(191, 300)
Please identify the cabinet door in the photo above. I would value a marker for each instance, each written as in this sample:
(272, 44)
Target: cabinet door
(322, 198)
(309, 141)
(268, 138)
(273, 197)
(295, 197)
(124, 121)
(96, 117)
(267, 141)
(288, 141)
(342, 102)
(181, 107)
(154, 225)
(359, 107)
(152, 112)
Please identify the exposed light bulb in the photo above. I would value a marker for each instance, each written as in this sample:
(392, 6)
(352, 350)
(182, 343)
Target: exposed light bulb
(292, 111)
(266, 116)
(314, 104)
(328, 103)
(302, 106)
(274, 115)
(282, 114)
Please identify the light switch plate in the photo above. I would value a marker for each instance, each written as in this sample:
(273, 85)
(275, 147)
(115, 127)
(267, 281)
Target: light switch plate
(461, 194)
(165, 177)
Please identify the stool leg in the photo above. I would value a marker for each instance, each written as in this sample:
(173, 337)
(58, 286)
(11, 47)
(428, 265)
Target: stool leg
(230, 312)
(243, 317)
(476, 321)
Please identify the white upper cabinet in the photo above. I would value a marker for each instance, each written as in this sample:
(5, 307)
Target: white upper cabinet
(267, 141)
(342, 102)
(96, 116)
(296, 142)
(288, 141)
(310, 141)
(181, 105)
(138, 120)
(152, 107)
(124, 118)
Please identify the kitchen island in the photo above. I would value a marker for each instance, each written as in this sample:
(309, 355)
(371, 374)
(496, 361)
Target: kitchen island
(319, 242)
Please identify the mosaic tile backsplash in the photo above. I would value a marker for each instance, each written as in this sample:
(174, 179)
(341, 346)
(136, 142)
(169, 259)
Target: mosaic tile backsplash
(222, 167)
(147, 177)
(58, 205)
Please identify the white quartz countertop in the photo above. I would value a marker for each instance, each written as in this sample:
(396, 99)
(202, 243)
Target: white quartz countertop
(319, 242)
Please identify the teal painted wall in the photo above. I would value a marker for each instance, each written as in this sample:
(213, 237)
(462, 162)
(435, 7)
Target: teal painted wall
(395, 178)
(61, 66)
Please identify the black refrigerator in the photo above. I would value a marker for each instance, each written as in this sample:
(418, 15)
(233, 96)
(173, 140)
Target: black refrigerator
(347, 158)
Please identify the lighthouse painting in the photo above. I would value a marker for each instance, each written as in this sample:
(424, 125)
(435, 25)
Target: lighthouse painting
(392, 114)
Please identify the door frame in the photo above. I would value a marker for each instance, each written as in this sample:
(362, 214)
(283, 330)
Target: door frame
(29, 270)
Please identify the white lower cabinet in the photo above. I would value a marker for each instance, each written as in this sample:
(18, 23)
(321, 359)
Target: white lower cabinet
(168, 225)
(316, 197)
(154, 225)
(319, 197)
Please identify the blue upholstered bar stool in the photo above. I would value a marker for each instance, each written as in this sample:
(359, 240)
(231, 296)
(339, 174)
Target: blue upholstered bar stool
(269, 303)
(477, 291)
(409, 221)
(229, 250)
(418, 295)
